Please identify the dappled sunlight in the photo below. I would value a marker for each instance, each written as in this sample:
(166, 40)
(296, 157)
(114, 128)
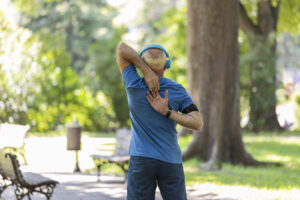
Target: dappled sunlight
(280, 149)
(278, 158)
(244, 192)
(288, 139)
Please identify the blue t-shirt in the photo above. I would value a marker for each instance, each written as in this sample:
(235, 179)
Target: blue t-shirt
(152, 134)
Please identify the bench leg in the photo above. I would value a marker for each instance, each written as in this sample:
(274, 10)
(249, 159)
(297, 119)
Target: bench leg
(46, 190)
(50, 190)
(98, 173)
(122, 166)
(3, 185)
(21, 192)
(28, 195)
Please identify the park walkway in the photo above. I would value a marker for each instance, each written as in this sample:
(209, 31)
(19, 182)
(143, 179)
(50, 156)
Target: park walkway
(49, 157)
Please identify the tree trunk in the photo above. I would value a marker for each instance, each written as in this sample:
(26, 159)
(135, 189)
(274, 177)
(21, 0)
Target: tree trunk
(214, 77)
(263, 66)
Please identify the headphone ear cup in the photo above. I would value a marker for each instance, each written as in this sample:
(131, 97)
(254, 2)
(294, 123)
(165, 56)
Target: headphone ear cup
(168, 64)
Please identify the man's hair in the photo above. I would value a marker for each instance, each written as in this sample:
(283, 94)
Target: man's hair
(155, 58)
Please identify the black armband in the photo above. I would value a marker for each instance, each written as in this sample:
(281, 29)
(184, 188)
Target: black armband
(189, 109)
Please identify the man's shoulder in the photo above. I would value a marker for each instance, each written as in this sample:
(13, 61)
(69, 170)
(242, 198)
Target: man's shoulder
(131, 78)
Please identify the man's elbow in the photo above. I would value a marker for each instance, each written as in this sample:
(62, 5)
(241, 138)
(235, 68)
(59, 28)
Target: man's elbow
(199, 125)
(120, 47)
(198, 122)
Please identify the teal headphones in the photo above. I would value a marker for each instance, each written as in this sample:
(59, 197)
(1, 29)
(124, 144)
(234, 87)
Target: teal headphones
(157, 46)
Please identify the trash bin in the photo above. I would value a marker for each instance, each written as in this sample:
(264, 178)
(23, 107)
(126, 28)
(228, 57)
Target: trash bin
(73, 136)
(74, 140)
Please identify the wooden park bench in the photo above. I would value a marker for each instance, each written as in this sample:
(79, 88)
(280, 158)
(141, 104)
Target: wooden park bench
(12, 138)
(25, 183)
(120, 158)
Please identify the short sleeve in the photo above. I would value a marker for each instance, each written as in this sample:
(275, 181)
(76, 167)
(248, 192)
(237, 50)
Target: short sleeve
(130, 76)
(186, 100)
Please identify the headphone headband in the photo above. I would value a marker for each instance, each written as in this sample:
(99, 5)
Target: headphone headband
(157, 46)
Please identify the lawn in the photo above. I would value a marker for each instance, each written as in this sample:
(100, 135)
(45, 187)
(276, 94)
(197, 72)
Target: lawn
(266, 147)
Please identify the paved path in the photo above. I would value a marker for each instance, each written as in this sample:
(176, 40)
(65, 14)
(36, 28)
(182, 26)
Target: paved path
(48, 156)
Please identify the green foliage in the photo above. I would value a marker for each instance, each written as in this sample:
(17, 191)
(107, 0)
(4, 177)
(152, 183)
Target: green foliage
(106, 75)
(289, 15)
(289, 20)
(50, 84)
(17, 54)
(258, 73)
(266, 148)
(258, 65)
(174, 24)
(65, 99)
(296, 102)
(169, 31)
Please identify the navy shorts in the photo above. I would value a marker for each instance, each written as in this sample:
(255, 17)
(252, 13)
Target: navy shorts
(144, 174)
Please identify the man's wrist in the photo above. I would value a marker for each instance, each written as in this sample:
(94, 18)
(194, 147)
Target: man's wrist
(145, 70)
(168, 113)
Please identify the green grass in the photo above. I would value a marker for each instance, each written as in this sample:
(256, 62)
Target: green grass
(273, 133)
(100, 134)
(47, 134)
(272, 147)
(278, 147)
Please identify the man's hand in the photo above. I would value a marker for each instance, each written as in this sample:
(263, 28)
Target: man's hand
(190, 120)
(159, 104)
(151, 80)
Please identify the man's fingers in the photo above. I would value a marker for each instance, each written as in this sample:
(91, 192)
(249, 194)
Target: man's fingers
(156, 87)
(167, 95)
(152, 89)
(155, 93)
(149, 96)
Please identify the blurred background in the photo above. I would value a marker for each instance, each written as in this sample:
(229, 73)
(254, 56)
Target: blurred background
(57, 65)
(58, 60)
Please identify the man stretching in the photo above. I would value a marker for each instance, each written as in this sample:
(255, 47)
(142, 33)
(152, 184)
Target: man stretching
(155, 156)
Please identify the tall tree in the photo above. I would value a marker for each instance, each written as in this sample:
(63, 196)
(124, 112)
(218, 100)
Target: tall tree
(262, 39)
(213, 59)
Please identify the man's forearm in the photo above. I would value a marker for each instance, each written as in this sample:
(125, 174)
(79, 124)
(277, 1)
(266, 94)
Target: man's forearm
(191, 120)
(127, 55)
(131, 56)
